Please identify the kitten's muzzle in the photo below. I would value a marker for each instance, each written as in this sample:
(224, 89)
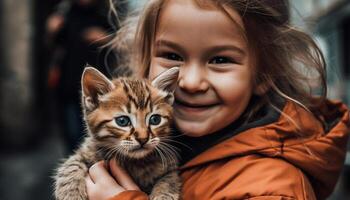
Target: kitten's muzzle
(142, 141)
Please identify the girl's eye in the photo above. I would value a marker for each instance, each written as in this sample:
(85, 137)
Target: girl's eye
(155, 119)
(122, 121)
(221, 60)
(172, 56)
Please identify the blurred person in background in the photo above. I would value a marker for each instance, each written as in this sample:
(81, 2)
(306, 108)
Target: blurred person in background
(76, 31)
(346, 182)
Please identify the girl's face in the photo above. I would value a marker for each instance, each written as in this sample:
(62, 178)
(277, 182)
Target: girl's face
(215, 79)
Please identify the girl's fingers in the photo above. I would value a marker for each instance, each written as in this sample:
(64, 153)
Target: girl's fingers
(122, 176)
(89, 185)
(98, 173)
(89, 181)
(100, 184)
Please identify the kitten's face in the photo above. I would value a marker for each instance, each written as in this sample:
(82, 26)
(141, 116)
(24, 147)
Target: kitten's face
(127, 117)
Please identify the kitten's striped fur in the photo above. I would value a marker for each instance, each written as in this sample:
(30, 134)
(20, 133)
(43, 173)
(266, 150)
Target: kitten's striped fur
(107, 105)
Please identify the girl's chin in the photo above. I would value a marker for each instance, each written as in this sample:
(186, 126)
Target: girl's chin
(192, 129)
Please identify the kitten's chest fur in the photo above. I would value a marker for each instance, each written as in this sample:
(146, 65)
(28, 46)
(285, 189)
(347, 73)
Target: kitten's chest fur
(145, 171)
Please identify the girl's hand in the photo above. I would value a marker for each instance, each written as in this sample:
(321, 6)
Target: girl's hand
(102, 186)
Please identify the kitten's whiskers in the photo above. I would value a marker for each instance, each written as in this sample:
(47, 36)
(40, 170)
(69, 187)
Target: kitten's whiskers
(168, 139)
(162, 156)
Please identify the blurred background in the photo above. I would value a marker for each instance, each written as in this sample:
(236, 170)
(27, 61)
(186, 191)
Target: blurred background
(44, 46)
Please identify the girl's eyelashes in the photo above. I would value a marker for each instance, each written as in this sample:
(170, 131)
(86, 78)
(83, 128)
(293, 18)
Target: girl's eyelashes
(216, 60)
(222, 60)
(171, 56)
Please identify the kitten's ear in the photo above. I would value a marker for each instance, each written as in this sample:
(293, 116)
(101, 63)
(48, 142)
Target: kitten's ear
(94, 84)
(166, 80)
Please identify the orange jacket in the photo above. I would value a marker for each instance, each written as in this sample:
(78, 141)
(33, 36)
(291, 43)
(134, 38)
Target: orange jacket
(271, 162)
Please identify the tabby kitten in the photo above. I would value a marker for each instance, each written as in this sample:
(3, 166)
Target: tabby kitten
(129, 120)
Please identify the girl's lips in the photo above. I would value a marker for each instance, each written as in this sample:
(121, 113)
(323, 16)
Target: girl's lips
(193, 108)
(194, 105)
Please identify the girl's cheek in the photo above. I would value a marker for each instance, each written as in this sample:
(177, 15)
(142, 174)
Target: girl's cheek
(158, 65)
(155, 69)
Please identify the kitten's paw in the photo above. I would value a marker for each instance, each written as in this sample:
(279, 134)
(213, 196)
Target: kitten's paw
(74, 190)
(165, 197)
(72, 197)
(70, 181)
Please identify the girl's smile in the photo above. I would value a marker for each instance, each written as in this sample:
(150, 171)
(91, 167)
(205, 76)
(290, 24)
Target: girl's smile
(215, 78)
(195, 101)
(194, 107)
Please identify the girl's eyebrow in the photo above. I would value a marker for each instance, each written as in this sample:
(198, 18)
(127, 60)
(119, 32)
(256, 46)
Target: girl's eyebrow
(212, 49)
(168, 43)
(227, 47)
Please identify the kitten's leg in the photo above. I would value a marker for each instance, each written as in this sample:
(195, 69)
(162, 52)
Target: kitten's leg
(167, 188)
(70, 180)
(70, 176)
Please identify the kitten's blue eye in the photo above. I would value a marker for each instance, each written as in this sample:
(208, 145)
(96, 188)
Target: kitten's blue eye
(123, 121)
(155, 119)
(221, 60)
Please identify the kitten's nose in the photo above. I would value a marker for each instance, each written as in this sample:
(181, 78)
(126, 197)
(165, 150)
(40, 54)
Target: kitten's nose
(142, 141)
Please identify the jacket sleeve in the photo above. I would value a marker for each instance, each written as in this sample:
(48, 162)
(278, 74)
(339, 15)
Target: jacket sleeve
(130, 195)
(272, 198)
(252, 177)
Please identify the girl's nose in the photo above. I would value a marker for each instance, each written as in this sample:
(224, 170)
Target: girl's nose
(192, 79)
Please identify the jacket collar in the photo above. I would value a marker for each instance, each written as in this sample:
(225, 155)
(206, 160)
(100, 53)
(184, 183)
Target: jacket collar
(314, 142)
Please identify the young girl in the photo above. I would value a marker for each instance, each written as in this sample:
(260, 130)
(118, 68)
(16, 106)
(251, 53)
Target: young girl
(253, 129)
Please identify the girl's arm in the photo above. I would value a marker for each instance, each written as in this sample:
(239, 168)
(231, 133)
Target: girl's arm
(103, 186)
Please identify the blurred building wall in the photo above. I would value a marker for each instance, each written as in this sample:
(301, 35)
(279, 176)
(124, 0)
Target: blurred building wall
(136, 4)
(16, 83)
(328, 21)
